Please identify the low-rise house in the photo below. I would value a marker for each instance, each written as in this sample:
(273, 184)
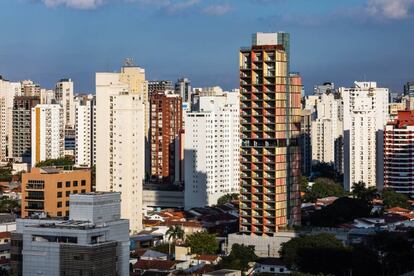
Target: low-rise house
(206, 259)
(271, 265)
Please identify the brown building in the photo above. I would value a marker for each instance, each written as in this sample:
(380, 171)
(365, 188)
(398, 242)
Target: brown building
(166, 129)
(47, 190)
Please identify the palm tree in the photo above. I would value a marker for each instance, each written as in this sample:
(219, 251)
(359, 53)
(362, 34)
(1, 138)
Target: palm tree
(175, 232)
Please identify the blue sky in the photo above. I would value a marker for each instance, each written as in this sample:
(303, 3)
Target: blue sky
(332, 40)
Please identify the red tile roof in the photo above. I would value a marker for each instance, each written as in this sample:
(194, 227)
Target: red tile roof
(398, 210)
(208, 258)
(154, 264)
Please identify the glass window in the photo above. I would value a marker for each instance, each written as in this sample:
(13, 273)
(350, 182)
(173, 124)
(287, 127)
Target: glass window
(59, 184)
(75, 183)
(67, 193)
(59, 204)
(83, 182)
(59, 194)
(67, 184)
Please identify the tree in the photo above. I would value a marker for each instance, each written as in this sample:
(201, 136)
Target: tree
(324, 187)
(202, 243)
(175, 232)
(239, 258)
(5, 174)
(227, 198)
(360, 191)
(9, 205)
(59, 162)
(342, 210)
(393, 199)
(304, 184)
(321, 253)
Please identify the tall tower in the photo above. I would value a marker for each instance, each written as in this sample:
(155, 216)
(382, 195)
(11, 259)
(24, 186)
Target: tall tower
(47, 132)
(270, 124)
(64, 95)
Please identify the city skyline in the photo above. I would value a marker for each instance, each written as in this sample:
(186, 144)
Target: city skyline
(339, 42)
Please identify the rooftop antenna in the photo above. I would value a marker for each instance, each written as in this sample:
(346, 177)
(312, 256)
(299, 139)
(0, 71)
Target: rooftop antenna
(129, 62)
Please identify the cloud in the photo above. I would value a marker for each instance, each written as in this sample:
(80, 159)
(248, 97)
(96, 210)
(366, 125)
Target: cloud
(176, 7)
(390, 9)
(217, 10)
(75, 4)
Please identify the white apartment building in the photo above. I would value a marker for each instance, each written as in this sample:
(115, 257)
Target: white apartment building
(365, 115)
(64, 95)
(212, 149)
(85, 131)
(327, 129)
(47, 132)
(8, 90)
(120, 143)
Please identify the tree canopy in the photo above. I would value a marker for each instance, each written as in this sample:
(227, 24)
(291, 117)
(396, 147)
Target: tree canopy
(321, 253)
(202, 243)
(393, 199)
(227, 198)
(175, 232)
(323, 187)
(56, 162)
(239, 258)
(342, 210)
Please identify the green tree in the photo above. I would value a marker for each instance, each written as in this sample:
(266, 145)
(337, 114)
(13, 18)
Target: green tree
(175, 232)
(5, 173)
(360, 191)
(342, 210)
(202, 243)
(304, 184)
(321, 253)
(393, 199)
(59, 162)
(9, 205)
(324, 187)
(239, 258)
(227, 198)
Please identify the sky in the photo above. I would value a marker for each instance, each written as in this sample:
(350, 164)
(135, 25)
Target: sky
(331, 40)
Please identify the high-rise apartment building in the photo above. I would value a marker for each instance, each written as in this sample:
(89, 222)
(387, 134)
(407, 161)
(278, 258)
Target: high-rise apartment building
(30, 89)
(85, 129)
(327, 128)
(270, 122)
(325, 88)
(159, 86)
(212, 149)
(399, 153)
(94, 241)
(64, 96)
(8, 90)
(48, 141)
(365, 115)
(183, 88)
(120, 143)
(47, 190)
(22, 127)
(306, 144)
(166, 130)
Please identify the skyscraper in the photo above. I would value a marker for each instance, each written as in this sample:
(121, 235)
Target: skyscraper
(47, 132)
(85, 131)
(120, 143)
(398, 153)
(8, 90)
(270, 122)
(22, 127)
(365, 115)
(183, 88)
(159, 86)
(64, 96)
(166, 129)
(212, 149)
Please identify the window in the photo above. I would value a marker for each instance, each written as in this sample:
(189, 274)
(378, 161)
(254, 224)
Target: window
(83, 182)
(67, 193)
(59, 185)
(59, 194)
(83, 191)
(67, 203)
(59, 204)
(75, 183)
(75, 192)
(67, 184)
(67, 213)
(59, 214)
